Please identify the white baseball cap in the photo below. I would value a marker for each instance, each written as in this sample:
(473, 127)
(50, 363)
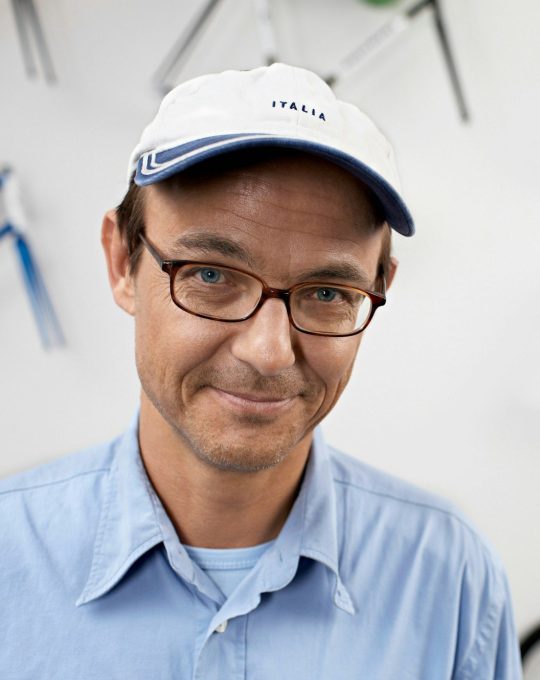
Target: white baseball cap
(272, 106)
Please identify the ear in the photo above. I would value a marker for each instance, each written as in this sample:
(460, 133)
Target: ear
(116, 255)
(393, 268)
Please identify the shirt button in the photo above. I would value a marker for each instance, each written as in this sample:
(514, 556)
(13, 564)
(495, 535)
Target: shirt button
(222, 627)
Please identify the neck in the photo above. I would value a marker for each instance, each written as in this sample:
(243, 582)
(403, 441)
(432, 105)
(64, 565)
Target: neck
(214, 508)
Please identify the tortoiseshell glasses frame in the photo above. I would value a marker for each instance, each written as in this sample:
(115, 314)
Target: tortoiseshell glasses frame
(172, 267)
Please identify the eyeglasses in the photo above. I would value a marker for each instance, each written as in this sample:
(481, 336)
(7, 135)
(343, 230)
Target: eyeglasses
(214, 291)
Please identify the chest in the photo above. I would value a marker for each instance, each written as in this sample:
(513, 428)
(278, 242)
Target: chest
(154, 625)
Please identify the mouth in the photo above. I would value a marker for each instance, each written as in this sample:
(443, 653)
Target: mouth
(263, 404)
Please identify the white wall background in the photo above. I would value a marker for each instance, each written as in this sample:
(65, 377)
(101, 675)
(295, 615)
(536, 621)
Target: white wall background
(445, 392)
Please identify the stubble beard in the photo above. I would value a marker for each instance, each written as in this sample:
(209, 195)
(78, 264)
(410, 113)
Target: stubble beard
(256, 444)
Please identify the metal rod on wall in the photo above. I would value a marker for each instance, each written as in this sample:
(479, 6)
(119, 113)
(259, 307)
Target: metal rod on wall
(28, 25)
(442, 33)
(181, 48)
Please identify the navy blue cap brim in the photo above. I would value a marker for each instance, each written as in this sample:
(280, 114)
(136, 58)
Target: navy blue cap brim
(154, 167)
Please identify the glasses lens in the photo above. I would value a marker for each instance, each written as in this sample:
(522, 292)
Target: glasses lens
(330, 309)
(219, 292)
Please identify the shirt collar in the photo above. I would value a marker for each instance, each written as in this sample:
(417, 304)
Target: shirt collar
(129, 527)
(311, 530)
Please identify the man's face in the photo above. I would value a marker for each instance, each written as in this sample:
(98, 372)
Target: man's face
(243, 396)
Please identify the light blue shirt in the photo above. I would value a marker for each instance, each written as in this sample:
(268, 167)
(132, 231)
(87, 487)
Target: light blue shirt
(370, 578)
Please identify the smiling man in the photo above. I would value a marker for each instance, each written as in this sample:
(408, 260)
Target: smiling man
(220, 537)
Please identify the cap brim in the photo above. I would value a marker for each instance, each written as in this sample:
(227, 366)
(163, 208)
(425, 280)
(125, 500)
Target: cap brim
(155, 166)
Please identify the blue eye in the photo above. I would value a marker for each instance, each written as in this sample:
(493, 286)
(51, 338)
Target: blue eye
(210, 275)
(326, 294)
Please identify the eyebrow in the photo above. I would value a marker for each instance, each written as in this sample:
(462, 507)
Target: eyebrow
(209, 244)
(346, 271)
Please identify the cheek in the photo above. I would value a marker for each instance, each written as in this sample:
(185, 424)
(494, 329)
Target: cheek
(169, 342)
(332, 360)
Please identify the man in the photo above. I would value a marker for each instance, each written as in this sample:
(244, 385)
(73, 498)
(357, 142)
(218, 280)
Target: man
(220, 537)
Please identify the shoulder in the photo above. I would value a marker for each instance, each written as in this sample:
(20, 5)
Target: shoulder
(351, 472)
(55, 501)
(403, 549)
(49, 519)
(68, 470)
(415, 519)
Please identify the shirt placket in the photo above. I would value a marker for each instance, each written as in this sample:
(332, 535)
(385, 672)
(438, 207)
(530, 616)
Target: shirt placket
(222, 653)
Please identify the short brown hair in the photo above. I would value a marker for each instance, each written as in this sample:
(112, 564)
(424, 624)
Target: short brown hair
(130, 212)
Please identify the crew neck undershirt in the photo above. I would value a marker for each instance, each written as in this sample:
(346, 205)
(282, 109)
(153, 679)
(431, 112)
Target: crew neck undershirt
(227, 566)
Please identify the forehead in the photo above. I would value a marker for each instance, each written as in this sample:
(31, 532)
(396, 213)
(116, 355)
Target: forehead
(285, 212)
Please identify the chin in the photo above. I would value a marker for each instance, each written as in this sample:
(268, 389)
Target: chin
(240, 451)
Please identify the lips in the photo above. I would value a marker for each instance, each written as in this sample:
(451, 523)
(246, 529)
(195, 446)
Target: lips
(255, 397)
(252, 403)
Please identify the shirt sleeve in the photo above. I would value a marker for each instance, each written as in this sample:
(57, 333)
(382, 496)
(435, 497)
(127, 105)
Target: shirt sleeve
(489, 639)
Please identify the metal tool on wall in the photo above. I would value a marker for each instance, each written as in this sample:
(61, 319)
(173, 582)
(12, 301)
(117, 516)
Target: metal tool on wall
(389, 30)
(32, 38)
(13, 227)
(164, 76)
(182, 47)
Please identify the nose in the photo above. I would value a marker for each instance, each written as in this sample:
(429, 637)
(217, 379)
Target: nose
(264, 340)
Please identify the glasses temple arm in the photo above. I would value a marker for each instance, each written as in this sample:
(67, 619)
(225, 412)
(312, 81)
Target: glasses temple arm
(382, 278)
(157, 257)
